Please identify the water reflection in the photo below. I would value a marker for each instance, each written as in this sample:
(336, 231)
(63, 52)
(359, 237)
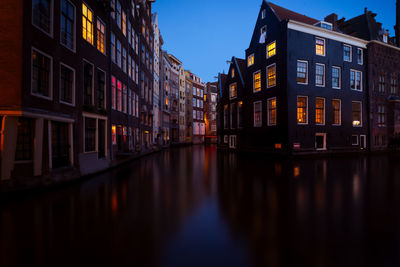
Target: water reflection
(195, 206)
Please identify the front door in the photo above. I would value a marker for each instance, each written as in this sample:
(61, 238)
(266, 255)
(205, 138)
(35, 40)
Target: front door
(320, 141)
(60, 144)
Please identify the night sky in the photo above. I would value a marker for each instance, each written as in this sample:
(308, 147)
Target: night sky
(205, 34)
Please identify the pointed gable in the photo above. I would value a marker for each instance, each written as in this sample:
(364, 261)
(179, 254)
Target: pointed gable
(284, 14)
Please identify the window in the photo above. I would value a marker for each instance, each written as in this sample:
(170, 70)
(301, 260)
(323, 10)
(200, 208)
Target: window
(320, 111)
(381, 86)
(336, 109)
(124, 99)
(233, 73)
(320, 141)
(123, 60)
(90, 134)
(88, 83)
(67, 84)
(225, 116)
(336, 77)
(263, 30)
(42, 15)
(67, 24)
(320, 75)
(41, 74)
(101, 89)
(271, 70)
(302, 110)
(356, 114)
(124, 23)
(112, 3)
(87, 24)
(257, 114)
(393, 84)
(250, 60)
(113, 58)
(233, 115)
(381, 115)
(272, 111)
(319, 47)
(359, 56)
(24, 148)
(119, 96)
(263, 13)
(233, 91)
(118, 58)
(347, 53)
(355, 80)
(240, 115)
(118, 14)
(302, 72)
(257, 81)
(271, 50)
(101, 29)
(354, 140)
(113, 93)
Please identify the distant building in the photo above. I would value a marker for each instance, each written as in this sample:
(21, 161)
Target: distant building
(165, 99)
(182, 105)
(157, 118)
(210, 112)
(198, 108)
(189, 107)
(174, 97)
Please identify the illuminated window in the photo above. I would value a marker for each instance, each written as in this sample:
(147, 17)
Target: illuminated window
(271, 51)
(233, 73)
(42, 15)
(119, 96)
(356, 114)
(41, 74)
(271, 70)
(101, 30)
(257, 81)
(257, 114)
(240, 115)
(87, 24)
(114, 134)
(320, 111)
(123, 23)
(68, 24)
(272, 111)
(336, 77)
(381, 115)
(319, 47)
(320, 75)
(250, 60)
(336, 108)
(232, 91)
(355, 80)
(347, 53)
(302, 72)
(302, 109)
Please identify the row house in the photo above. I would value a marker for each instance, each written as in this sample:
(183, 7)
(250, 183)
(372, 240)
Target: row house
(165, 74)
(189, 107)
(198, 88)
(304, 88)
(174, 97)
(210, 112)
(182, 105)
(158, 42)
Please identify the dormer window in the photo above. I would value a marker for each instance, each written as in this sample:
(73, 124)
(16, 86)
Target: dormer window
(385, 38)
(324, 25)
(263, 13)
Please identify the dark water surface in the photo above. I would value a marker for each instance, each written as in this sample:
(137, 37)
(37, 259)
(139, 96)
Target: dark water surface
(199, 207)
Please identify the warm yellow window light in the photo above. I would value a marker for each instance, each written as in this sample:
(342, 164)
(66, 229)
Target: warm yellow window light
(257, 81)
(271, 76)
(320, 47)
(87, 24)
(250, 60)
(271, 49)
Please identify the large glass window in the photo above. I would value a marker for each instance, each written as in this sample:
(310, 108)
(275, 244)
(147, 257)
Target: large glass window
(336, 77)
(356, 113)
(42, 14)
(320, 75)
(257, 81)
(320, 111)
(271, 70)
(41, 74)
(320, 47)
(302, 72)
(67, 24)
(257, 114)
(302, 111)
(66, 84)
(272, 111)
(336, 109)
(87, 24)
(101, 31)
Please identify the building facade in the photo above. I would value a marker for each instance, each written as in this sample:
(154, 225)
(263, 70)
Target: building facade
(165, 99)
(174, 97)
(182, 105)
(197, 108)
(210, 112)
(156, 84)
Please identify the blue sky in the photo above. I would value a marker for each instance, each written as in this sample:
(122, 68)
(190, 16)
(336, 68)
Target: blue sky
(204, 34)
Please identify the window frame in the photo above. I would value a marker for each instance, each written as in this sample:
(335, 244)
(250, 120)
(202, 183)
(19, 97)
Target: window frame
(297, 101)
(105, 86)
(276, 111)
(263, 13)
(87, 6)
(355, 80)
(254, 117)
(250, 56)
(268, 56)
(351, 53)
(302, 61)
(358, 141)
(51, 33)
(73, 49)
(230, 93)
(324, 46)
(361, 115)
(254, 82)
(273, 65)
(362, 56)
(83, 80)
(50, 97)
(105, 36)
(340, 77)
(340, 112)
(324, 75)
(97, 118)
(73, 85)
(323, 111)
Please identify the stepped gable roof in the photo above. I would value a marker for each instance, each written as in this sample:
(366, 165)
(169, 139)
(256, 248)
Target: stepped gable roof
(284, 14)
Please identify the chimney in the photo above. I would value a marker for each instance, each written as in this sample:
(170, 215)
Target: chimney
(397, 27)
(332, 18)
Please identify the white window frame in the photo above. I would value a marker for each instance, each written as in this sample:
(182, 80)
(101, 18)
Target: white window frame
(254, 118)
(232, 141)
(50, 97)
(358, 141)
(340, 77)
(355, 77)
(361, 114)
(362, 56)
(324, 146)
(340, 112)
(50, 34)
(261, 29)
(351, 53)
(324, 77)
(276, 80)
(73, 86)
(268, 51)
(324, 117)
(315, 46)
(74, 29)
(307, 106)
(304, 61)
(97, 118)
(252, 55)
(105, 36)
(276, 112)
(83, 79)
(254, 82)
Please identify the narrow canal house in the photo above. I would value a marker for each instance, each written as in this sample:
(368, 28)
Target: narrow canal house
(174, 97)
(233, 97)
(383, 75)
(306, 85)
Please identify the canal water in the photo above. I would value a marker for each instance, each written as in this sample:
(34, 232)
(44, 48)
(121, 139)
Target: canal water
(196, 206)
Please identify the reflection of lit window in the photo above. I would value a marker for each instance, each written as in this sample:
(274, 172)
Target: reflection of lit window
(278, 146)
(271, 51)
(356, 113)
(257, 81)
(296, 171)
(87, 24)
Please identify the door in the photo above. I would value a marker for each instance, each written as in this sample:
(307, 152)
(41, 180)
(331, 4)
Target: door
(320, 141)
(60, 144)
